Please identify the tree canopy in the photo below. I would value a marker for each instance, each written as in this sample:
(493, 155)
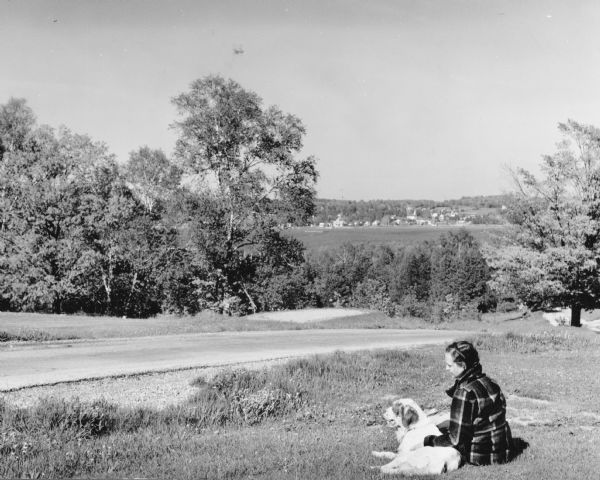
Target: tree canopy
(246, 179)
(204, 229)
(552, 256)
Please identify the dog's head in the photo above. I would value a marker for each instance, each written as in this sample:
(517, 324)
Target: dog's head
(402, 413)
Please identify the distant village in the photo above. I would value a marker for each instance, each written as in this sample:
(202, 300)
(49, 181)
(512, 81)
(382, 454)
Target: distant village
(421, 216)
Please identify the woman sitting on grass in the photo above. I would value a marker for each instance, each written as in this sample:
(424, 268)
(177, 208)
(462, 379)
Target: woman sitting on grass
(477, 427)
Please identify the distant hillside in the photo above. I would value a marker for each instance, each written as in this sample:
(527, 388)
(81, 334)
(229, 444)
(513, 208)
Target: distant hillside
(479, 209)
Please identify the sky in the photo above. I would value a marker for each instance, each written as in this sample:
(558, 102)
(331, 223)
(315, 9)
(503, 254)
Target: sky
(401, 99)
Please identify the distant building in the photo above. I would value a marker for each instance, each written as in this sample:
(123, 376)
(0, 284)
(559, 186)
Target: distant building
(339, 222)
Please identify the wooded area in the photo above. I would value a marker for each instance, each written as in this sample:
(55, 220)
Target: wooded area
(203, 230)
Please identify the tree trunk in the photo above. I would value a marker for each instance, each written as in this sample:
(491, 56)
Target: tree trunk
(107, 289)
(128, 304)
(56, 305)
(252, 304)
(575, 316)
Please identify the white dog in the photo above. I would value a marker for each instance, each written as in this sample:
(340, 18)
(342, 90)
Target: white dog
(412, 458)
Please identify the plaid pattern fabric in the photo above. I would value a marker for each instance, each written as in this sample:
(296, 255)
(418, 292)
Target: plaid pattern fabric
(478, 427)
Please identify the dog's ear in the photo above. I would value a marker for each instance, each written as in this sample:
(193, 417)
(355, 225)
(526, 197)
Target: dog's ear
(409, 416)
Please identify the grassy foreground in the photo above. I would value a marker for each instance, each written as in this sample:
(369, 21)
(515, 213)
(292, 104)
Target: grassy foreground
(319, 418)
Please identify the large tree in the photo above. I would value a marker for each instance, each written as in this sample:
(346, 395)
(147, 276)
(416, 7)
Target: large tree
(243, 170)
(551, 257)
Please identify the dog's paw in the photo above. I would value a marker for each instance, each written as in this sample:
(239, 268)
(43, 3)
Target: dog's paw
(386, 455)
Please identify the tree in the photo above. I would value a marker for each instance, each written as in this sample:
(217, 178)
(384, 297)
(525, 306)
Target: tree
(413, 274)
(459, 270)
(551, 257)
(151, 176)
(338, 272)
(16, 123)
(241, 165)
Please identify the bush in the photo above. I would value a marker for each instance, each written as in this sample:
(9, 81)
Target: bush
(411, 306)
(373, 294)
(507, 305)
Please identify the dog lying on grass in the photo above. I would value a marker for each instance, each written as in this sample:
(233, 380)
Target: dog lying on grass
(412, 458)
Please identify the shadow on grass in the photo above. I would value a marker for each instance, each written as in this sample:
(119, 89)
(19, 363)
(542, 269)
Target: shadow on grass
(519, 446)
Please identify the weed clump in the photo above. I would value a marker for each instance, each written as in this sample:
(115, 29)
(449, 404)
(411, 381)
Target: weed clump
(244, 397)
(31, 335)
(82, 420)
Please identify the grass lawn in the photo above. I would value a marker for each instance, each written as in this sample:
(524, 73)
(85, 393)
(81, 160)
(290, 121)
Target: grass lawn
(47, 327)
(321, 417)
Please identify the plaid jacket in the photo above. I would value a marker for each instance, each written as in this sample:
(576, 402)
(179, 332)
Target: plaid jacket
(478, 427)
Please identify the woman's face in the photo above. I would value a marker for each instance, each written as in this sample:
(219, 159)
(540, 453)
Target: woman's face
(454, 368)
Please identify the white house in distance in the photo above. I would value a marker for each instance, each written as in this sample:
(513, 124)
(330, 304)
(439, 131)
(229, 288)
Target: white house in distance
(412, 217)
(338, 222)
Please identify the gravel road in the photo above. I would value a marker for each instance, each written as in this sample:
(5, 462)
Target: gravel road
(166, 361)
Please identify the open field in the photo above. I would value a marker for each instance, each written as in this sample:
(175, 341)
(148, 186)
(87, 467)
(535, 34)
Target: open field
(321, 417)
(315, 238)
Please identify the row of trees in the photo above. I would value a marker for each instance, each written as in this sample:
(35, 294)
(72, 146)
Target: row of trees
(79, 232)
(434, 280)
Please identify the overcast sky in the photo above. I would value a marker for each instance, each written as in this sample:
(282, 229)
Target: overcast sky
(401, 99)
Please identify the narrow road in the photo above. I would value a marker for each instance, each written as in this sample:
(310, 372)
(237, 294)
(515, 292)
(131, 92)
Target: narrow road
(42, 364)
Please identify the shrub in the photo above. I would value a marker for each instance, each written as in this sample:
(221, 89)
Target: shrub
(373, 294)
(411, 306)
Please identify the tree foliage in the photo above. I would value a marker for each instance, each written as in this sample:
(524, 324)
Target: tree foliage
(73, 237)
(551, 257)
(244, 180)
(81, 233)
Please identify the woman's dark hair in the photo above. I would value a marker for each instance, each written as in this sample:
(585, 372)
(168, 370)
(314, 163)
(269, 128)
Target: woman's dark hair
(463, 353)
